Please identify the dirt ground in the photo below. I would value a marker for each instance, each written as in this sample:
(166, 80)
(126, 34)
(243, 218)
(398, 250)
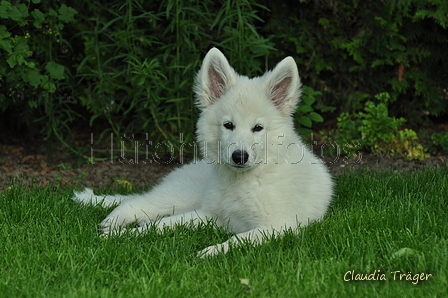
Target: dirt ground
(22, 164)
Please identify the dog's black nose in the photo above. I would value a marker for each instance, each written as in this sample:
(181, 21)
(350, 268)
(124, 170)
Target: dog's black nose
(240, 157)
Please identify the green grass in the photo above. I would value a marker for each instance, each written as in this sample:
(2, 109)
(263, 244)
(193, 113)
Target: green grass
(50, 248)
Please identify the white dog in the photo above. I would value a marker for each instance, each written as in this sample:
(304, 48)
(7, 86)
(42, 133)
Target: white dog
(256, 177)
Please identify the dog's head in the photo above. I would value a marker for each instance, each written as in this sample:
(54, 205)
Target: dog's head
(241, 117)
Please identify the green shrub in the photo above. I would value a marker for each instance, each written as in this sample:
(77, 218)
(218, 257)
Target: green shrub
(305, 114)
(376, 131)
(33, 77)
(131, 65)
(145, 74)
(377, 128)
(352, 50)
(126, 67)
(407, 145)
(440, 141)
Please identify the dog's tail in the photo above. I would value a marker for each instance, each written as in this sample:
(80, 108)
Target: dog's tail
(88, 197)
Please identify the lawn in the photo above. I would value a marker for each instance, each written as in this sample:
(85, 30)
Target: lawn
(391, 229)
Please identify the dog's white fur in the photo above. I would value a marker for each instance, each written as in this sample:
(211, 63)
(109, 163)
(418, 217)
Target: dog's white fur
(257, 177)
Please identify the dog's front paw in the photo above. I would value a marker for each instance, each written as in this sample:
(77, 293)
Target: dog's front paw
(107, 225)
(213, 250)
(112, 233)
(112, 223)
(140, 230)
(143, 222)
(107, 228)
(119, 217)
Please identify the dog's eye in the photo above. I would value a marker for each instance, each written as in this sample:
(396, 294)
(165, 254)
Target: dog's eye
(229, 125)
(257, 128)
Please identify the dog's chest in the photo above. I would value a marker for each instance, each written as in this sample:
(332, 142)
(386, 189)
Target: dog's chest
(241, 206)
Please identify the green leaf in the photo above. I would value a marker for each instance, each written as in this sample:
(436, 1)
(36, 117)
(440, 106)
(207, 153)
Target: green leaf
(305, 109)
(123, 183)
(5, 42)
(19, 53)
(33, 77)
(305, 132)
(55, 70)
(305, 121)
(39, 17)
(3, 32)
(23, 11)
(48, 85)
(52, 12)
(324, 22)
(17, 12)
(316, 117)
(309, 100)
(32, 104)
(5, 7)
(66, 14)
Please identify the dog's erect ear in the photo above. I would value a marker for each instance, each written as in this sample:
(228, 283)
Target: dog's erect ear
(214, 78)
(283, 86)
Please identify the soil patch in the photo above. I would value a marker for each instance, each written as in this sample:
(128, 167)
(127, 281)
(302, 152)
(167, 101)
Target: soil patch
(22, 164)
